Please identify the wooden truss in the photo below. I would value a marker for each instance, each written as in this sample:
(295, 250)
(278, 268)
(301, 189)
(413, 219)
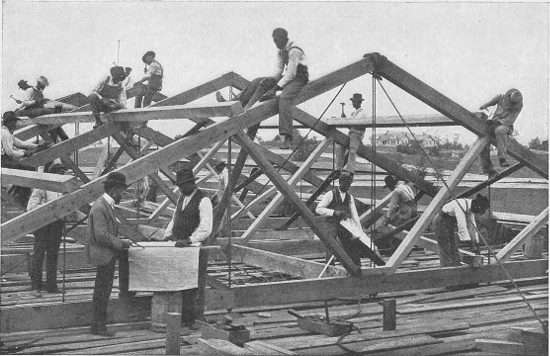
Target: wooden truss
(241, 126)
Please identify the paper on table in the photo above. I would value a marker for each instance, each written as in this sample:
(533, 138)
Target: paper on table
(357, 231)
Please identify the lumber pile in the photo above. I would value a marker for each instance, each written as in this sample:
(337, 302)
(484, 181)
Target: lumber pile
(521, 341)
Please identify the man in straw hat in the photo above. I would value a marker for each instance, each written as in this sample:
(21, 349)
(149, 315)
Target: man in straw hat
(153, 76)
(501, 125)
(109, 94)
(191, 224)
(104, 247)
(356, 134)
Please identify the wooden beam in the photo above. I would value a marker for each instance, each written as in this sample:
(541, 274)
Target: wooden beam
(392, 121)
(363, 151)
(528, 232)
(69, 163)
(155, 136)
(147, 114)
(65, 147)
(430, 244)
(39, 180)
(495, 179)
(102, 159)
(370, 216)
(454, 111)
(280, 263)
(279, 198)
(291, 196)
(436, 204)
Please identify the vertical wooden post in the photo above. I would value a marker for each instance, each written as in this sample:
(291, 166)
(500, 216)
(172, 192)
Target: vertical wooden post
(173, 331)
(389, 314)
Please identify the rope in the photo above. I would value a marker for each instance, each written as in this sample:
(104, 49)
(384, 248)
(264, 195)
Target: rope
(453, 196)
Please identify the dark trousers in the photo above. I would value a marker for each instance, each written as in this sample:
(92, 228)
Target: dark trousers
(104, 285)
(351, 246)
(21, 194)
(145, 96)
(193, 299)
(46, 242)
(99, 105)
(286, 103)
(257, 88)
(444, 227)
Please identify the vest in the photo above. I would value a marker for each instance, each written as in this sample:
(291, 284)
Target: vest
(187, 221)
(301, 71)
(110, 91)
(338, 204)
(155, 82)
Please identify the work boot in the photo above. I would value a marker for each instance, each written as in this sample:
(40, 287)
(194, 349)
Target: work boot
(220, 98)
(492, 175)
(503, 162)
(286, 142)
(97, 123)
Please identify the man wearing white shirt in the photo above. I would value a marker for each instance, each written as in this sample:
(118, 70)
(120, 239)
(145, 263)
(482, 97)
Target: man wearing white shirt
(356, 134)
(191, 225)
(457, 213)
(153, 76)
(109, 94)
(338, 205)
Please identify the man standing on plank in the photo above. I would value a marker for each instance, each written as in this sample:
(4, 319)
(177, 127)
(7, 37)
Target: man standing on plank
(356, 134)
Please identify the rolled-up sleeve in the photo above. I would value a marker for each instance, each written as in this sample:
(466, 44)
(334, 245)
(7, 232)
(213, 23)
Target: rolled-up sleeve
(322, 207)
(294, 56)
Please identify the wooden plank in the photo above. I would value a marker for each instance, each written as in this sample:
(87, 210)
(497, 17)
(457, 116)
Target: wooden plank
(499, 176)
(430, 244)
(370, 216)
(146, 114)
(39, 180)
(503, 347)
(528, 232)
(436, 204)
(363, 151)
(68, 146)
(281, 263)
(291, 196)
(391, 121)
(69, 163)
(100, 165)
(279, 198)
(454, 111)
(258, 347)
(218, 347)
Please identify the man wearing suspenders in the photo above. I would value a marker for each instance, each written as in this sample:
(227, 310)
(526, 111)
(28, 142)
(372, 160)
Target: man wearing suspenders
(402, 206)
(109, 94)
(153, 76)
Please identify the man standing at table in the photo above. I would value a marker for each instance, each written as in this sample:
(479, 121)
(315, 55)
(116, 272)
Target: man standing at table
(191, 225)
(104, 248)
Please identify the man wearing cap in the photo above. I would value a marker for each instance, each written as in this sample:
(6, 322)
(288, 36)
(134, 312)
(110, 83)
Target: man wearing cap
(109, 94)
(153, 76)
(46, 240)
(356, 134)
(338, 205)
(104, 248)
(509, 105)
(191, 224)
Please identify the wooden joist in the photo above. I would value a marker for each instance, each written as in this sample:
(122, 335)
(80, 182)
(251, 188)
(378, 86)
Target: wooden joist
(39, 180)
(391, 121)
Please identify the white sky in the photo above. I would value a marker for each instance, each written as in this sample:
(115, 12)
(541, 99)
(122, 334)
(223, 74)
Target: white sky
(468, 51)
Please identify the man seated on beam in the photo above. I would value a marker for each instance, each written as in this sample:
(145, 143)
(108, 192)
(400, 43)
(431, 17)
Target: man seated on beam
(153, 76)
(35, 105)
(356, 134)
(337, 205)
(290, 77)
(191, 224)
(500, 126)
(109, 94)
(458, 213)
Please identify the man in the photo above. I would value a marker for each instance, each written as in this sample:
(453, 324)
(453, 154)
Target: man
(153, 76)
(46, 240)
(338, 205)
(356, 134)
(104, 248)
(109, 94)
(461, 213)
(501, 125)
(253, 93)
(191, 224)
(402, 206)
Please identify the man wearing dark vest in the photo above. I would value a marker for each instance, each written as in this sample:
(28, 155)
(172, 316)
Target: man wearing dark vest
(109, 94)
(338, 205)
(191, 225)
(153, 76)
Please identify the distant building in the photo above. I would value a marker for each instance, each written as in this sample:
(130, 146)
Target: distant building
(405, 138)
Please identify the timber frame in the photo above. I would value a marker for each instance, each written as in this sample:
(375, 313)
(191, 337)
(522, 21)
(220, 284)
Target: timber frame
(211, 133)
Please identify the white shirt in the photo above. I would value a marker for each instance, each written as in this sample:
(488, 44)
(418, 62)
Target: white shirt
(327, 199)
(109, 200)
(12, 146)
(41, 197)
(359, 113)
(287, 73)
(122, 98)
(467, 228)
(205, 224)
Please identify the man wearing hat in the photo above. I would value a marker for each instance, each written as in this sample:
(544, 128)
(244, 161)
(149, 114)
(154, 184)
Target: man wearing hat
(153, 77)
(509, 105)
(356, 134)
(104, 248)
(46, 239)
(402, 206)
(109, 94)
(337, 205)
(191, 224)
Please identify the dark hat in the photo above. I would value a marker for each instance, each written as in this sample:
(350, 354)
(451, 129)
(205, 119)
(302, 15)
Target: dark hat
(357, 97)
(345, 176)
(148, 53)
(391, 181)
(118, 72)
(480, 203)
(22, 83)
(515, 95)
(184, 176)
(56, 168)
(43, 80)
(280, 32)
(116, 178)
(9, 116)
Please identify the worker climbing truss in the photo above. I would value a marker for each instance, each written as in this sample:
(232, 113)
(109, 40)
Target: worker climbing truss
(217, 123)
